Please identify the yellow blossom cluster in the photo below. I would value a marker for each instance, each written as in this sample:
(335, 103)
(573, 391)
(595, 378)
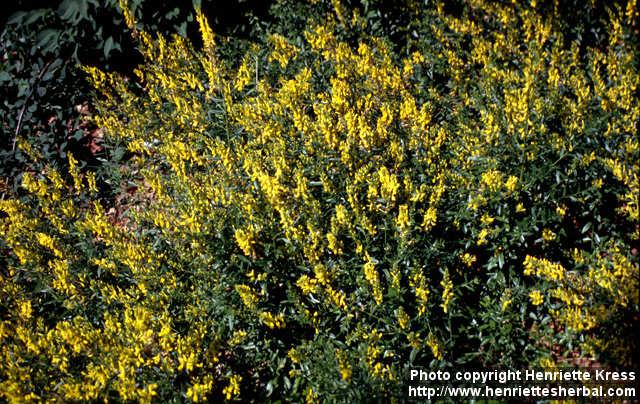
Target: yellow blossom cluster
(607, 275)
(296, 209)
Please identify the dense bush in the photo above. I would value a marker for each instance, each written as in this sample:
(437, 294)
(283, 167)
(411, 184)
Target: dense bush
(313, 218)
(44, 93)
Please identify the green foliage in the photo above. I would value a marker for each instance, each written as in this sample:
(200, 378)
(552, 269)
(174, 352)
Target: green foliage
(308, 211)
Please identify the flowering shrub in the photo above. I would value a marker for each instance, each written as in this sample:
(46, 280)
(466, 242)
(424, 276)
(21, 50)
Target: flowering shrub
(314, 219)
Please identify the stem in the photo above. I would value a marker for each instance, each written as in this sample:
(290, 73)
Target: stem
(26, 102)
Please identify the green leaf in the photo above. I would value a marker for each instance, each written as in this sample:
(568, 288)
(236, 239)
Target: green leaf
(35, 15)
(74, 11)
(47, 38)
(16, 18)
(108, 47)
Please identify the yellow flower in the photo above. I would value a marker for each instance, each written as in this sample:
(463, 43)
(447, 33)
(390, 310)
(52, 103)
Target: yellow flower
(341, 215)
(436, 347)
(238, 337)
(414, 340)
(253, 277)
(91, 182)
(468, 259)
(389, 184)
(307, 285)
(486, 219)
(246, 240)
(311, 396)
(343, 365)
(198, 391)
(543, 268)
(430, 217)
(476, 202)
(371, 275)
(25, 309)
(548, 235)
(402, 220)
(294, 355)
(338, 297)
(205, 31)
(505, 300)
(403, 318)
(536, 297)
(333, 244)
(47, 241)
(232, 390)
(244, 75)
(272, 321)
(492, 179)
(419, 284)
(482, 236)
(248, 296)
(447, 292)
(511, 183)
(597, 183)
(128, 15)
(283, 51)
